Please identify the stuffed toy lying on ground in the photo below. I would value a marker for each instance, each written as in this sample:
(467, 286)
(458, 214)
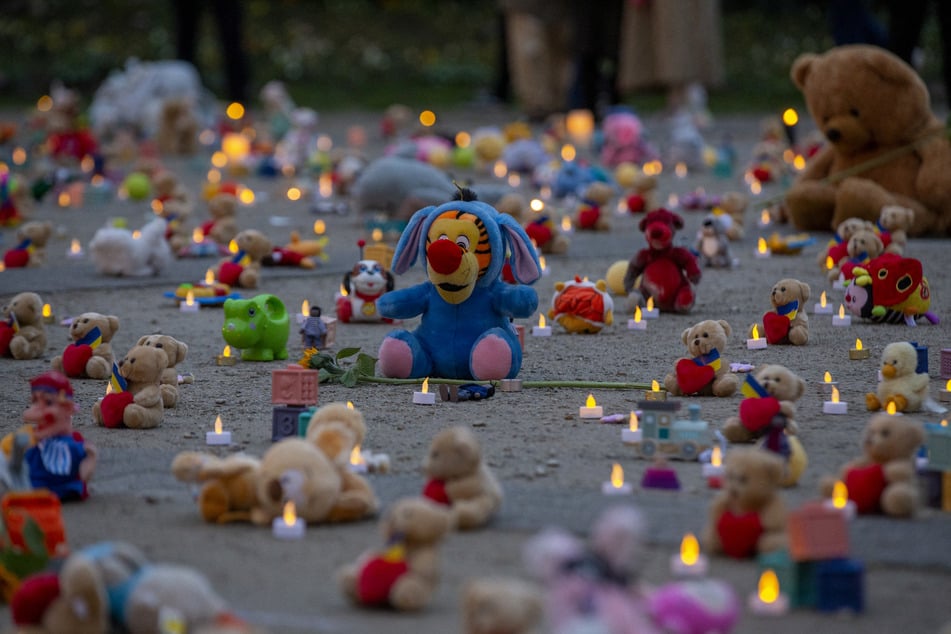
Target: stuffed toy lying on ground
(22, 333)
(748, 517)
(868, 102)
(172, 202)
(175, 351)
(30, 249)
(405, 572)
(540, 226)
(625, 140)
(901, 384)
(116, 251)
(223, 227)
(178, 127)
(458, 477)
(499, 605)
(465, 331)
(365, 283)
(705, 372)
(90, 355)
(243, 269)
(593, 212)
(227, 486)
(883, 479)
(838, 246)
(768, 390)
(890, 289)
(111, 586)
(640, 188)
(661, 270)
(582, 306)
(138, 403)
(787, 322)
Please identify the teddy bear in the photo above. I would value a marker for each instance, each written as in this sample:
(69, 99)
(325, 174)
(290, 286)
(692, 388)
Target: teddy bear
(769, 390)
(111, 586)
(173, 204)
(641, 188)
(30, 249)
(405, 573)
(582, 306)
(869, 103)
(90, 355)
(244, 267)
(178, 128)
(896, 220)
(900, 383)
(661, 270)
(22, 333)
(705, 372)
(222, 228)
(713, 244)
(175, 351)
(499, 605)
(882, 480)
(138, 403)
(458, 477)
(787, 322)
(540, 226)
(69, 139)
(838, 247)
(864, 245)
(593, 213)
(748, 517)
(228, 486)
(733, 207)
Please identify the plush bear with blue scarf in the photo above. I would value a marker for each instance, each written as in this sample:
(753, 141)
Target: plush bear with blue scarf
(466, 330)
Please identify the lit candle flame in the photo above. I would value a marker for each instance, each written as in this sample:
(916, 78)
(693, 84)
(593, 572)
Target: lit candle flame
(566, 224)
(326, 185)
(542, 263)
(218, 424)
(74, 246)
(891, 408)
(233, 246)
(356, 456)
(226, 352)
(343, 291)
(427, 118)
(835, 394)
(689, 549)
(755, 331)
(320, 227)
(425, 385)
(514, 180)
(463, 139)
(197, 235)
(799, 162)
(632, 422)
(716, 456)
(840, 494)
(655, 386)
(650, 303)
(293, 193)
(680, 170)
(349, 404)
(590, 402)
(136, 234)
(209, 277)
(219, 159)
(841, 311)
(947, 386)
(637, 314)
(822, 299)
(568, 152)
(190, 298)
(214, 176)
(246, 196)
(790, 117)
(157, 206)
(537, 204)
(761, 245)
(305, 308)
(234, 110)
(499, 169)
(858, 344)
(541, 320)
(764, 217)
(830, 264)
(617, 476)
(376, 234)
(756, 187)
(47, 310)
(63, 199)
(944, 421)
(827, 377)
(768, 586)
(290, 513)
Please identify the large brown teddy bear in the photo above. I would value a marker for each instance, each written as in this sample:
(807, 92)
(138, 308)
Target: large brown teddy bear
(139, 405)
(228, 485)
(773, 390)
(459, 478)
(244, 267)
(748, 516)
(84, 358)
(30, 249)
(882, 480)
(22, 334)
(868, 102)
(404, 574)
(787, 322)
(175, 351)
(705, 372)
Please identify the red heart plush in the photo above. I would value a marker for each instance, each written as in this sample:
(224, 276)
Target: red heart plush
(539, 232)
(756, 412)
(16, 258)
(376, 579)
(739, 533)
(6, 335)
(636, 203)
(692, 377)
(776, 327)
(113, 406)
(75, 358)
(866, 485)
(229, 272)
(588, 218)
(435, 490)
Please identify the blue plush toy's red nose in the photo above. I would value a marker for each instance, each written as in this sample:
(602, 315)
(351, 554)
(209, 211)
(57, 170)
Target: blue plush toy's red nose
(444, 256)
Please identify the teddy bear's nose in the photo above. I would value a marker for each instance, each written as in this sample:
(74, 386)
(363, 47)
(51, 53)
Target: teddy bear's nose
(833, 135)
(444, 256)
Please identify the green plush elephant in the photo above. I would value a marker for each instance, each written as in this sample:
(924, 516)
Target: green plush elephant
(258, 327)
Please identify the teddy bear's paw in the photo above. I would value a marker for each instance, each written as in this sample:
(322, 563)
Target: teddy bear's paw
(396, 358)
(409, 593)
(899, 500)
(491, 358)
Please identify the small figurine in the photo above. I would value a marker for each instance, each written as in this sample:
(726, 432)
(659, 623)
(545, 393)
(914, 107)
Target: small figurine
(314, 331)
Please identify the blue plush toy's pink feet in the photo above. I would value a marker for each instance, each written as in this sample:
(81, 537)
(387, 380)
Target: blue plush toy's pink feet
(396, 358)
(491, 358)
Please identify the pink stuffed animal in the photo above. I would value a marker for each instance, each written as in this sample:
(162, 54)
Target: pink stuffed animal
(624, 140)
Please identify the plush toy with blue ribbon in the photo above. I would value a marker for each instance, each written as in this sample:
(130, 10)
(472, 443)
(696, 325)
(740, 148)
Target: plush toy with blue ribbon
(466, 330)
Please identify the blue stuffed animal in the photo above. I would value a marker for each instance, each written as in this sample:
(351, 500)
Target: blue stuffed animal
(466, 330)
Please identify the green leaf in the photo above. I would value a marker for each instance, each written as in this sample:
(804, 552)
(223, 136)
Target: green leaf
(350, 377)
(347, 352)
(366, 365)
(324, 377)
(33, 537)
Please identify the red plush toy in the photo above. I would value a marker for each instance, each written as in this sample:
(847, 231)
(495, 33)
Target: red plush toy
(663, 271)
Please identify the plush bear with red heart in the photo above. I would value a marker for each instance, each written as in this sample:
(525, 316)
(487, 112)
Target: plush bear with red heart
(770, 390)
(90, 356)
(705, 372)
(140, 400)
(244, 267)
(748, 517)
(22, 333)
(787, 322)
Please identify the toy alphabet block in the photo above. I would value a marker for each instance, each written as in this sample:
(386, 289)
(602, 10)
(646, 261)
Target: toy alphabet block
(284, 421)
(840, 585)
(817, 533)
(294, 385)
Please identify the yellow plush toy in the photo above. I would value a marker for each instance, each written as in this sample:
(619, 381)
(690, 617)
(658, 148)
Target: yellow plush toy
(227, 485)
(900, 383)
(580, 306)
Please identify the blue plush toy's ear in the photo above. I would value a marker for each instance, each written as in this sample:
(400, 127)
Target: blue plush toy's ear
(524, 258)
(407, 249)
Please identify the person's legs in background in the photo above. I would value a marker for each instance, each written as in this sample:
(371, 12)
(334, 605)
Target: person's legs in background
(229, 16)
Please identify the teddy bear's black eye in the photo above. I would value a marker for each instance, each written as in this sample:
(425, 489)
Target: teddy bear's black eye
(854, 112)
(884, 433)
(782, 289)
(86, 321)
(132, 360)
(705, 335)
(158, 345)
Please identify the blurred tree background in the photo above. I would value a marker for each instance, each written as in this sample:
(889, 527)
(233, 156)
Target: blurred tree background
(370, 53)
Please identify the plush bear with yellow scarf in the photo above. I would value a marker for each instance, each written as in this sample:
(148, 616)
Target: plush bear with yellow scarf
(787, 322)
(466, 330)
(30, 249)
(244, 267)
(90, 355)
(705, 372)
(769, 390)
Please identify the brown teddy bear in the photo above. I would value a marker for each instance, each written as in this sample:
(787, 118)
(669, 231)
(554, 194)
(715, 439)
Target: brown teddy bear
(403, 575)
(178, 128)
(90, 355)
(713, 243)
(642, 188)
(22, 334)
(222, 228)
(139, 404)
(769, 390)
(787, 323)
(705, 372)
(864, 245)
(501, 606)
(748, 517)
(175, 205)
(733, 205)
(900, 383)
(593, 212)
(837, 248)
(896, 220)
(228, 485)
(882, 480)
(175, 351)
(244, 267)
(459, 478)
(540, 226)
(868, 103)
(30, 249)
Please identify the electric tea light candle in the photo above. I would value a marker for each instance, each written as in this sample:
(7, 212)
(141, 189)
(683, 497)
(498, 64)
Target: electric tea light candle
(288, 525)
(858, 352)
(358, 463)
(655, 394)
(189, 305)
(756, 342)
(828, 383)
(713, 471)
(637, 323)
(835, 406)
(649, 311)
(225, 357)
(541, 330)
(841, 319)
(768, 600)
(218, 436)
(945, 395)
(840, 500)
(632, 434)
(75, 249)
(762, 250)
(822, 307)
(617, 485)
(425, 397)
(689, 562)
(48, 316)
(591, 409)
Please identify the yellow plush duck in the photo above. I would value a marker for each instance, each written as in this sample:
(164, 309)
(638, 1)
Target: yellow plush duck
(900, 383)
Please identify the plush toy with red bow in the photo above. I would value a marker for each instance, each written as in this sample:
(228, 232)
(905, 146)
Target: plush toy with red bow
(661, 270)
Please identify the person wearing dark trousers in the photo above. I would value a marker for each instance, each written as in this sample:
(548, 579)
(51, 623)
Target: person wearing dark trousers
(229, 18)
(596, 39)
(905, 22)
